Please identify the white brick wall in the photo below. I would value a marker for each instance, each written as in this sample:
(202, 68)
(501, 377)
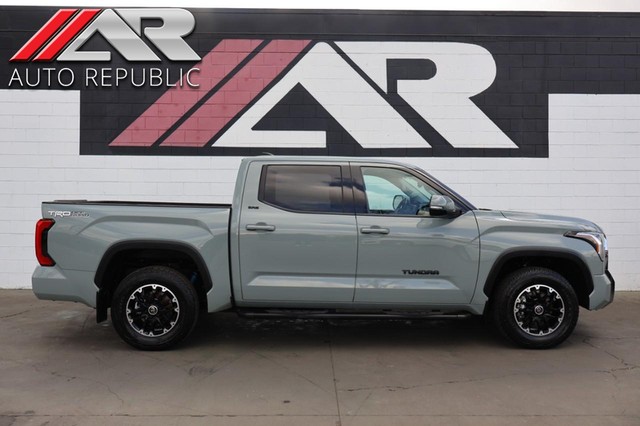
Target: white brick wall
(593, 171)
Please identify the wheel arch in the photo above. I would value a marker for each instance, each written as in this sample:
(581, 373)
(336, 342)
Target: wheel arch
(112, 267)
(565, 262)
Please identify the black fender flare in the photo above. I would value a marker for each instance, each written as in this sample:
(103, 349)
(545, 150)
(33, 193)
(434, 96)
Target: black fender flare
(102, 301)
(508, 255)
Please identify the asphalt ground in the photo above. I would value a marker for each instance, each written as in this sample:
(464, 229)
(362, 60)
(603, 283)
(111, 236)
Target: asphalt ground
(58, 367)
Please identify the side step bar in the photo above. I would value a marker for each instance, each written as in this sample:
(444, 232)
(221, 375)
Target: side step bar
(337, 314)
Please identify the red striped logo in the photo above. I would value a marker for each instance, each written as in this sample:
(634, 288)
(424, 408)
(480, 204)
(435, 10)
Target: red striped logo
(67, 31)
(231, 77)
(54, 35)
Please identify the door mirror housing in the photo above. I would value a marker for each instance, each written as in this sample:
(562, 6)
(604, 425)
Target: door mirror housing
(442, 206)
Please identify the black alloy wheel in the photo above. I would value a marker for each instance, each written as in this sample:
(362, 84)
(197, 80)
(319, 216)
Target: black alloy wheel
(534, 307)
(154, 308)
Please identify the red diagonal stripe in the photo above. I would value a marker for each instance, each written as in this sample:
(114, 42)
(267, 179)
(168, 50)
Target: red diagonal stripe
(66, 35)
(237, 93)
(175, 102)
(43, 35)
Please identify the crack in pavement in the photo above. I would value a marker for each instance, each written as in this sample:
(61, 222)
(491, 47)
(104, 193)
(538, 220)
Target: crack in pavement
(71, 378)
(34, 415)
(16, 314)
(394, 388)
(362, 403)
(621, 360)
(84, 323)
(335, 381)
(626, 366)
(289, 370)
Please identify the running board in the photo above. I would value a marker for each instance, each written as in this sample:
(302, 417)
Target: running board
(345, 314)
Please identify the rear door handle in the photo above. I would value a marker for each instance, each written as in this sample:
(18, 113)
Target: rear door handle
(261, 226)
(374, 230)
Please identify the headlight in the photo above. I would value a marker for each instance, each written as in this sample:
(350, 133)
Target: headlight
(597, 240)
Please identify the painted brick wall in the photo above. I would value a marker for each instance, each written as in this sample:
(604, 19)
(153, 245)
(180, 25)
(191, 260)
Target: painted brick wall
(592, 172)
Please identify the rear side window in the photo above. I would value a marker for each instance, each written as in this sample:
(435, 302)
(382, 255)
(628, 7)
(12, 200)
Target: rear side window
(302, 188)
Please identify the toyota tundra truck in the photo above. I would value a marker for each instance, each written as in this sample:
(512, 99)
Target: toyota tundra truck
(317, 237)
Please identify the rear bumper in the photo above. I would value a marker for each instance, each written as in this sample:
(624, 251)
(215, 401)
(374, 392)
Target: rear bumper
(51, 283)
(604, 287)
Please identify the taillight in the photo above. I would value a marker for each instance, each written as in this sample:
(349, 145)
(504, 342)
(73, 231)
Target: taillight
(42, 229)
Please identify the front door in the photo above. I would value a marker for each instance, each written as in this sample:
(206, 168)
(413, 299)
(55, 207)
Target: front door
(297, 235)
(404, 255)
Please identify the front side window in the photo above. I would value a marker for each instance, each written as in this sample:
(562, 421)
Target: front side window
(303, 188)
(394, 191)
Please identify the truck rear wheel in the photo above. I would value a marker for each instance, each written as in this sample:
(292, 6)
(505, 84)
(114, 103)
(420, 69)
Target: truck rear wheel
(154, 308)
(535, 308)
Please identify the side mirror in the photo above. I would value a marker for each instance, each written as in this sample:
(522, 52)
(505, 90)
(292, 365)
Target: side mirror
(441, 205)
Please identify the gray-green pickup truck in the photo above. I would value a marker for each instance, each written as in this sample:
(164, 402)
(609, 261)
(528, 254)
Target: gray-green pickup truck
(319, 237)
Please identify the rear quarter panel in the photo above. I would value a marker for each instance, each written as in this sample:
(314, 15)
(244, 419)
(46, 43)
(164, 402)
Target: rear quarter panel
(79, 242)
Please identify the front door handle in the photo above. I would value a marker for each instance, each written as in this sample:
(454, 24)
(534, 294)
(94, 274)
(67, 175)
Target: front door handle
(374, 230)
(261, 226)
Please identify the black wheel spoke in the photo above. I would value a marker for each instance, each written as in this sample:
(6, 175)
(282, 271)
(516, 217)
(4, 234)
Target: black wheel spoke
(152, 310)
(538, 310)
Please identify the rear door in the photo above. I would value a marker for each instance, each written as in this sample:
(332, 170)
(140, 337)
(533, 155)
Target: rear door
(297, 234)
(406, 256)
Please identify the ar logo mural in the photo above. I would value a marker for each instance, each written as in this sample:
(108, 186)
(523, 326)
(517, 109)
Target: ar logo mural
(241, 81)
(68, 30)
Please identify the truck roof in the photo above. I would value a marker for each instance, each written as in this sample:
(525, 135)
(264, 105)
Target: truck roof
(323, 158)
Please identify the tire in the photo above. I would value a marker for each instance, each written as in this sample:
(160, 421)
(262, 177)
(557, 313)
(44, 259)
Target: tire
(535, 308)
(154, 308)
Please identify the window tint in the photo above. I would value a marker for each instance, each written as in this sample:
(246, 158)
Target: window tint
(303, 188)
(380, 193)
(394, 191)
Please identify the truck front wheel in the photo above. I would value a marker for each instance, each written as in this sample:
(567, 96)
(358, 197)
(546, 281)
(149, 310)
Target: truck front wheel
(154, 308)
(535, 308)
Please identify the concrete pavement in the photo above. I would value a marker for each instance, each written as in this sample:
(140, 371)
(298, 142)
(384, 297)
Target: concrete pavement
(58, 367)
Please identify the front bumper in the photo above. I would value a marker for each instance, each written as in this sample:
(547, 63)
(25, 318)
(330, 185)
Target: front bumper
(604, 287)
(51, 283)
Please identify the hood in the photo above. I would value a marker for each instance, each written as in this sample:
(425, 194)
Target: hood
(571, 223)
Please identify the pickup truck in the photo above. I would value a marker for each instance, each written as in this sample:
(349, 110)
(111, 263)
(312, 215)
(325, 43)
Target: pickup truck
(322, 237)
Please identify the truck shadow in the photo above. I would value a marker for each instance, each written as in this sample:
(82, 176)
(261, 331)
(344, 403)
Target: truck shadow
(228, 328)
(230, 331)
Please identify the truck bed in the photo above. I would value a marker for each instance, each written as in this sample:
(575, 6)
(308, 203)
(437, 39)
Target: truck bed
(86, 233)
